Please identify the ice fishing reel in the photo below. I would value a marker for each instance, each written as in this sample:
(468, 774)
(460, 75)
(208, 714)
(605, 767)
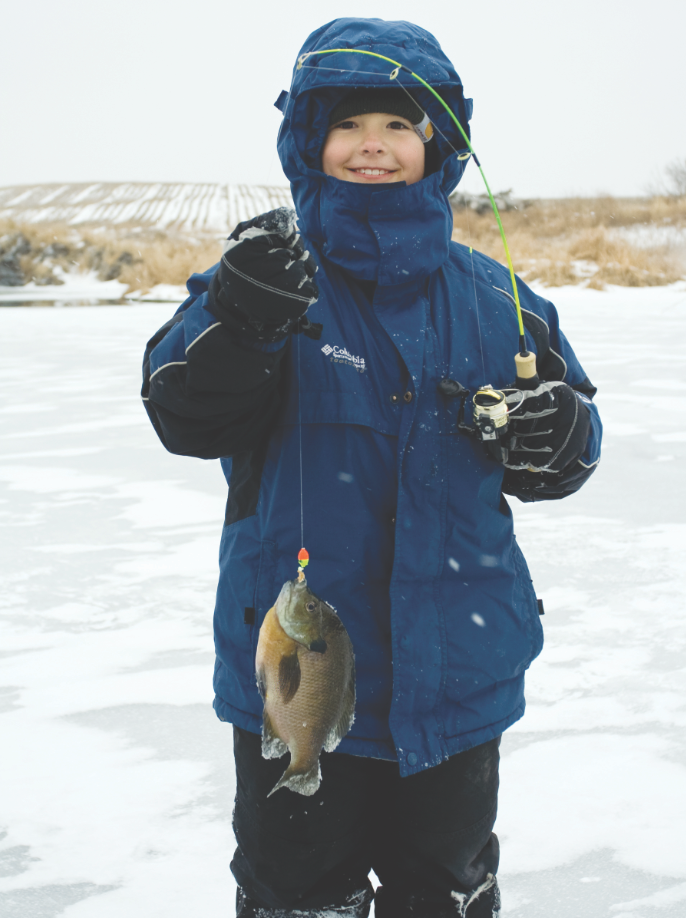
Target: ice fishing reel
(491, 421)
(490, 413)
(490, 416)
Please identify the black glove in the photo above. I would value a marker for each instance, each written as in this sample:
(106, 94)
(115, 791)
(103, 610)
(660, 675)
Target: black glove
(548, 427)
(264, 283)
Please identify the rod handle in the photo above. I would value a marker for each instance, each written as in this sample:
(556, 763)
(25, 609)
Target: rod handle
(527, 376)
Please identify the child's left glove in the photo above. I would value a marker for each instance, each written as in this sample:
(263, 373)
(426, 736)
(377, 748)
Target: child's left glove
(548, 427)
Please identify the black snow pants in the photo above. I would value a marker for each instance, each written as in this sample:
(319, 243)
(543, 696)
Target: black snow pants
(427, 837)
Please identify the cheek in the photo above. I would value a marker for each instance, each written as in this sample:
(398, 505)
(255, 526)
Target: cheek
(413, 158)
(335, 153)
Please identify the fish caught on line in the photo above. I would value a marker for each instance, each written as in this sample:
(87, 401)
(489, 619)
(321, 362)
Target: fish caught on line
(306, 675)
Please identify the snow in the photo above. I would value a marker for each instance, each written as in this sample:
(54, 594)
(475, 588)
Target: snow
(593, 789)
(116, 779)
(76, 288)
(648, 235)
(84, 290)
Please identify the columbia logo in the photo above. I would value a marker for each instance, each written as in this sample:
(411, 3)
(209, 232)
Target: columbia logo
(342, 355)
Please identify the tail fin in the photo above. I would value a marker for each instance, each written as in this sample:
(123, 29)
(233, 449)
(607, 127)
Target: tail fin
(306, 783)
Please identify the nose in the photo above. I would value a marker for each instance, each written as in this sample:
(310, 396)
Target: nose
(372, 143)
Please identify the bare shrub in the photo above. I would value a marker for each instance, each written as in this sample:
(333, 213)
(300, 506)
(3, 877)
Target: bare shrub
(676, 176)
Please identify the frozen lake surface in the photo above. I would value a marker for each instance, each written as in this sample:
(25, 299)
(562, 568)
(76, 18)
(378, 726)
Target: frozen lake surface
(116, 780)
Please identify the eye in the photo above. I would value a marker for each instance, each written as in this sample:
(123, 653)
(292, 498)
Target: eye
(398, 126)
(344, 126)
(311, 606)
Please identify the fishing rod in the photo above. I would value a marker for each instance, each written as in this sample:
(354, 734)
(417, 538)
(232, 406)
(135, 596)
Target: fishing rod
(490, 407)
(525, 361)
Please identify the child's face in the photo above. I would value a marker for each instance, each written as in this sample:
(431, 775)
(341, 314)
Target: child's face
(374, 148)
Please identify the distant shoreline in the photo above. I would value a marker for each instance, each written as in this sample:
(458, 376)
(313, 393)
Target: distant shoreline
(117, 242)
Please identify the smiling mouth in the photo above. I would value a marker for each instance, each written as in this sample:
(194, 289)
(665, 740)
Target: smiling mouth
(373, 172)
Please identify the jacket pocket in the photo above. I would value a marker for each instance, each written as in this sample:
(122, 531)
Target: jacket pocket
(524, 596)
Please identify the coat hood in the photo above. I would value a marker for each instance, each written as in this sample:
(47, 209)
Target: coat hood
(393, 233)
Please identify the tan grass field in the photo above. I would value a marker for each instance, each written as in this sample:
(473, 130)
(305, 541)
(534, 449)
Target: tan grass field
(586, 240)
(557, 242)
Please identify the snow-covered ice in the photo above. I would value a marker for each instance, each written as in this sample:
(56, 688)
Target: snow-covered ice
(85, 289)
(116, 780)
(116, 783)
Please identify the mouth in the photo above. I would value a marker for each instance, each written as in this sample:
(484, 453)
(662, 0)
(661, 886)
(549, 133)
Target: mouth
(372, 174)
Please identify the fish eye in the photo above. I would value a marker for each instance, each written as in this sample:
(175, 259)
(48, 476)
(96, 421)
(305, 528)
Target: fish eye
(311, 606)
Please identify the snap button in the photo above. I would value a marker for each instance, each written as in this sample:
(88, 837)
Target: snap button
(395, 397)
(411, 758)
(408, 397)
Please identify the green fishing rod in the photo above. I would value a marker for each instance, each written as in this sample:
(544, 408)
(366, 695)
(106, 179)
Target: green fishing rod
(525, 361)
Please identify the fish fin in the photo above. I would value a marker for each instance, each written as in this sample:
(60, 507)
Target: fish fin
(305, 783)
(261, 684)
(347, 716)
(289, 677)
(273, 747)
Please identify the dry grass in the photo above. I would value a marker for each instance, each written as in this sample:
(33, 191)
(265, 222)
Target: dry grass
(139, 258)
(571, 241)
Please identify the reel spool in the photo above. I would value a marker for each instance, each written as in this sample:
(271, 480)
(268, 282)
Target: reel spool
(491, 420)
(490, 413)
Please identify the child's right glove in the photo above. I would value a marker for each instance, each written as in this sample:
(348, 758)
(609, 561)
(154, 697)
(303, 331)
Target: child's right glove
(549, 427)
(265, 280)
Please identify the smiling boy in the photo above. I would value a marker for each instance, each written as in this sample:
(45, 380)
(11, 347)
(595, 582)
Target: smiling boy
(410, 536)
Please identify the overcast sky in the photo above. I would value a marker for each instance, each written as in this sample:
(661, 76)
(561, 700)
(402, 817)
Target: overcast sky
(569, 98)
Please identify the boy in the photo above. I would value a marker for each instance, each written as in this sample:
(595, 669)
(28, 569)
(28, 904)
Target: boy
(402, 512)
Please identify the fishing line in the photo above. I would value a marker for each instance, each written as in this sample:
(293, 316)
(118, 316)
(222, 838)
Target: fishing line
(300, 437)
(523, 359)
(341, 70)
(303, 554)
(476, 298)
(393, 75)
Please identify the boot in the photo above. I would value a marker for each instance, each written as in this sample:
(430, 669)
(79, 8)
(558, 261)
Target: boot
(482, 902)
(356, 906)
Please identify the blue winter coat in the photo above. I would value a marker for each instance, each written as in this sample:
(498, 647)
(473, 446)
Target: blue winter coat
(410, 537)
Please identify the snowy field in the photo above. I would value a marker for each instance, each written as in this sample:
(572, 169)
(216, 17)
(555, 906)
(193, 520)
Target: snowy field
(166, 205)
(116, 780)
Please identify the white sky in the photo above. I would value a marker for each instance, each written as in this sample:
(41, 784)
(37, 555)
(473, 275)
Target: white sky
(569, 98)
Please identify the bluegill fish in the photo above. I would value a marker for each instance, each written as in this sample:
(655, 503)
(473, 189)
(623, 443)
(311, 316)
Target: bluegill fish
(306, 676)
